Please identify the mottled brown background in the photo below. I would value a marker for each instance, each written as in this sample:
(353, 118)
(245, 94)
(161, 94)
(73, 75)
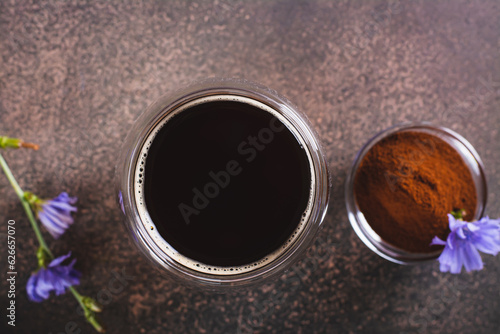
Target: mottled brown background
(75, 74)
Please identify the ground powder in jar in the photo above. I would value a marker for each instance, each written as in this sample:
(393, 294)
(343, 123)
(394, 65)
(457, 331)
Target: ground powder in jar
(407, 184)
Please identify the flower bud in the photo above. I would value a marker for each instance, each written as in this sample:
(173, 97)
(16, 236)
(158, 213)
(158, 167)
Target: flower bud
(43, 257)
(7, 142)
(459, 214)
(92, 304)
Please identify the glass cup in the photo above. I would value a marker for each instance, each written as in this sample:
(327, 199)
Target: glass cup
(156, 249)
(364, 231)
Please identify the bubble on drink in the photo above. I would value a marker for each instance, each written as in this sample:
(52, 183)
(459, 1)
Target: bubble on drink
(221, 188)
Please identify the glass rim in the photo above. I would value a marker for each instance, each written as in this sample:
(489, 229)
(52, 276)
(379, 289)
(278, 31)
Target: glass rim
(359, 224)
(172, 101)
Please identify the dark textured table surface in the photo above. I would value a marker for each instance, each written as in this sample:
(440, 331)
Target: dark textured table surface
(74, 76)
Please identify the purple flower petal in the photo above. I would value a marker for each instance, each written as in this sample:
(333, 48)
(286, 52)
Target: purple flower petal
(489, 221)
(437, 241)
(53, 219)
(65, 198)
(471, 257)
(120, 199)
(473, 227)
(464, 243)
(58, 260)
(56, 277)
(443, 267)
(456, 260)
(54, 229)
(63, 206)
(55, 214)
(453, 222)
(30, 289)
(487, 240)
(59, 285)
(460, 233)
(451, 240)
(447, 259)
(487, 245)
(44, 284)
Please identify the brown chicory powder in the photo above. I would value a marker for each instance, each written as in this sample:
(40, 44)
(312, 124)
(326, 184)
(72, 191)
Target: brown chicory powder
(407, 184)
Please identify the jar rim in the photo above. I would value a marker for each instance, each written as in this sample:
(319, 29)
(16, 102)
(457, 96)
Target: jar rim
(360, 225)
(171, 101)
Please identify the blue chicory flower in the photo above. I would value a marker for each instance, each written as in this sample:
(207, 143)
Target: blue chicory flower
(56, 277)
(55, 214)
(465, 240)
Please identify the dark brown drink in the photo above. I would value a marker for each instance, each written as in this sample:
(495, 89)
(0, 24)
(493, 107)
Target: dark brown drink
(225, 183)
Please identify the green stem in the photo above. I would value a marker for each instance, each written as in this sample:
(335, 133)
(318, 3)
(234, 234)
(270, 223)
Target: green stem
(11, 177)
(92, 319)
(78, 297)
(89, 314)
(26, 206)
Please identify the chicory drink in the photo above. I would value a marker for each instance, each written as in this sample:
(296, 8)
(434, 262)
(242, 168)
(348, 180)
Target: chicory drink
(224, 184)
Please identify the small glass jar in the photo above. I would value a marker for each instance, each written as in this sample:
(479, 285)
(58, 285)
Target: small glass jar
(363, 229)
(126, 169)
